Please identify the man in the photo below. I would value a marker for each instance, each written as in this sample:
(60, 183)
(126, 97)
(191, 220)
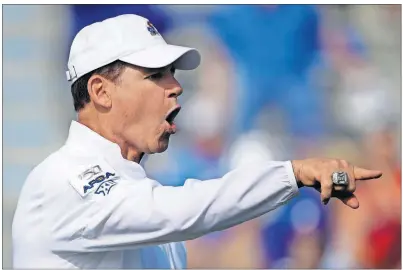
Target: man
(91, 205)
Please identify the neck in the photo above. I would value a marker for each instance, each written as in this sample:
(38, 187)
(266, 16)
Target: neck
(128, 152)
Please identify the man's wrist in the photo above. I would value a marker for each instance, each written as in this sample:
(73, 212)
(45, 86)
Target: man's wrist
(297, 168)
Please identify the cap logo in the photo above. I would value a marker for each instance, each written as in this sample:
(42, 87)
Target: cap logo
(151, 28)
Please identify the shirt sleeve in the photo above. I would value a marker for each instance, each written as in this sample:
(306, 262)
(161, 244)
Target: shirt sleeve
(142, 212)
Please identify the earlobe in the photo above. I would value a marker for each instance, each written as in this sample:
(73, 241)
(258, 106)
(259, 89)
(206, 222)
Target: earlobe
(99, 91)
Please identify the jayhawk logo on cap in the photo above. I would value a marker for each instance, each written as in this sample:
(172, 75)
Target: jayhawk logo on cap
(151, 28)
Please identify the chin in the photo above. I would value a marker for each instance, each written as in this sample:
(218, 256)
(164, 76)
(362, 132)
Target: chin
(163, 148)
(160, 146)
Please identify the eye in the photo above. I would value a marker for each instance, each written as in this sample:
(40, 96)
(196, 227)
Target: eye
(161, 74)
(156, 76)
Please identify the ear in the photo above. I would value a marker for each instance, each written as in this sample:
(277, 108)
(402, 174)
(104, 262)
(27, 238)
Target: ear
(99, 90)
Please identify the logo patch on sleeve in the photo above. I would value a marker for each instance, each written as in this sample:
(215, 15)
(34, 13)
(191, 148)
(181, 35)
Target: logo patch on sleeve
(96, 178)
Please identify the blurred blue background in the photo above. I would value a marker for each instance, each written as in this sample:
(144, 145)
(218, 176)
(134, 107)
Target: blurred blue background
(277, 82)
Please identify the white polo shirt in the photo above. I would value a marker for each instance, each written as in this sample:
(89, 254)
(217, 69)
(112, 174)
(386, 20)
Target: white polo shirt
(86, 206)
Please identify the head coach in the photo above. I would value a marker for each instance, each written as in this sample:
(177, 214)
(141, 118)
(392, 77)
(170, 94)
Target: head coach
(91, 205)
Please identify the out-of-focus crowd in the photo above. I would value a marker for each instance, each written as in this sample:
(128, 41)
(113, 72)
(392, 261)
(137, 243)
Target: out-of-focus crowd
(281, 82)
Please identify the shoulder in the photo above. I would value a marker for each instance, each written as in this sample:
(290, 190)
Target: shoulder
(65, 171)
(47, 188)
(60, 162)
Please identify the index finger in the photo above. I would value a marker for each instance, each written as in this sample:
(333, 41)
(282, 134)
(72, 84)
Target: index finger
(364, 174)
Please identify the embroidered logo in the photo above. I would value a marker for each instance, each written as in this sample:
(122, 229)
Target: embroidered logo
(105, 187)
(91, 172)
(151, 28)
(98, 179)
(92, 178)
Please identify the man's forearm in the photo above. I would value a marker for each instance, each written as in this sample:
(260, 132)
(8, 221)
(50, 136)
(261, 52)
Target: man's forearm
(239, 196)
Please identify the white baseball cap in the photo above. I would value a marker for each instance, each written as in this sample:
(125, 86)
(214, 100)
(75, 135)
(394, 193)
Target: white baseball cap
(129, 38)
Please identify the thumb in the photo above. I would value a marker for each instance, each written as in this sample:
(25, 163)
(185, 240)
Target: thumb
(351, 201)
(364, 174)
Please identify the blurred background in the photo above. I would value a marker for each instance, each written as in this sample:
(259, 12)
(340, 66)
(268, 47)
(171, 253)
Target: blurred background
(277, 82)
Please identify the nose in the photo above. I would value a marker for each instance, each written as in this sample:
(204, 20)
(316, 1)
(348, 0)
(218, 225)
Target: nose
(175, 90)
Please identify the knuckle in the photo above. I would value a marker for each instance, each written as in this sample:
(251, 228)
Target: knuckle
(334, 163)
(350, 176)
(352, 186)
(344, 163)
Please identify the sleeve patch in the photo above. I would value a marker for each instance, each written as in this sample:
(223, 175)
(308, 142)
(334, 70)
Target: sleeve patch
(98, 179)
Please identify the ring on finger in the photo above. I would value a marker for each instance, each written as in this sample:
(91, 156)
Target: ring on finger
(340, 178)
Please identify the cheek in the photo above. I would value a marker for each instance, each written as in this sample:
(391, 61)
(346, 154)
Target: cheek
(127, 108)
(145, 108)
(155, 103)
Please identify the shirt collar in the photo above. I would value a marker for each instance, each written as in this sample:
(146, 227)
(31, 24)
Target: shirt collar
(80, 136)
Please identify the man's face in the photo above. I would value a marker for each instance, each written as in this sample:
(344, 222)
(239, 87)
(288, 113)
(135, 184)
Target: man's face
(144, 105)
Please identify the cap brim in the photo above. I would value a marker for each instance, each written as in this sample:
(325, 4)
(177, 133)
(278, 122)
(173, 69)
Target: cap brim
(163, 55)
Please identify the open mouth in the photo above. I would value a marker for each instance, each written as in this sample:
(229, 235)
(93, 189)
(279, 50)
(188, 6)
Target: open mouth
(172, 114)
